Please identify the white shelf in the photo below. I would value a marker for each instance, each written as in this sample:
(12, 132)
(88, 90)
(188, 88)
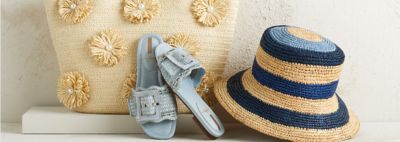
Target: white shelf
(48, 124)
(50, 120)
(11, 132)
(370, 132)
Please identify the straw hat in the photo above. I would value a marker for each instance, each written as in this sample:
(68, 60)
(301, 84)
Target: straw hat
(289, 93)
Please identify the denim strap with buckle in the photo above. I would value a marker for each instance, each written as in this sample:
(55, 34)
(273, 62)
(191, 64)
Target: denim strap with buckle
(177, 64)
(153, 104)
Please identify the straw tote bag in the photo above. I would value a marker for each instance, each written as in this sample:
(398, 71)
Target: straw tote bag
(96, 41)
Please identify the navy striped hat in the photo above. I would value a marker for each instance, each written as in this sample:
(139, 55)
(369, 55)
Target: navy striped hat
(289, 93)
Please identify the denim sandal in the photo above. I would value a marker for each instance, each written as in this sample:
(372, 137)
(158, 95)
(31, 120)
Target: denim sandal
(183, 74)
(151, 103)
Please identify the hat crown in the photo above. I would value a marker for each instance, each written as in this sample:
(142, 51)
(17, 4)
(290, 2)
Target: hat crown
(300, 45)
(295, 57)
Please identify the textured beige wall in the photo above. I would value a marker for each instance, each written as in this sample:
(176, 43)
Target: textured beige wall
(29, 65)
(367, 30)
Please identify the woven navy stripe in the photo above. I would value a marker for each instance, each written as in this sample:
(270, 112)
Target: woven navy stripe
(284, 116)
(309, 91)
(298, 55)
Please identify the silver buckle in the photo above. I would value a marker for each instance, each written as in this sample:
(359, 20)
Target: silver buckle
(146, 118)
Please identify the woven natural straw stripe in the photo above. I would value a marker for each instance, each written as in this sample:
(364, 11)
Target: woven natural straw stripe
(296, 72)
(281, 131)
(304, 34)
(297, 104)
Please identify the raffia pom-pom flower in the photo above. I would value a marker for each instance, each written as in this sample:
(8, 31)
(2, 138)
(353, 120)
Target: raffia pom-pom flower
(107, 48)
(127, 87)
(209, 12)
(206, 87)
(73, 90)
(140, 11)
(184, 41)
(74, 11)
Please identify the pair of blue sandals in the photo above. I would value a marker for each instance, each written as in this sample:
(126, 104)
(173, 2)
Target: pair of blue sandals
(160, 67)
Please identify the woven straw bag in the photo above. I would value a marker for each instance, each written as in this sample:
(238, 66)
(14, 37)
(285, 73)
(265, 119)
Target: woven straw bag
(93, 82)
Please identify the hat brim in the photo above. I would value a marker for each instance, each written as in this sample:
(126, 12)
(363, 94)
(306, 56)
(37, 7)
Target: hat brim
(254, 121)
